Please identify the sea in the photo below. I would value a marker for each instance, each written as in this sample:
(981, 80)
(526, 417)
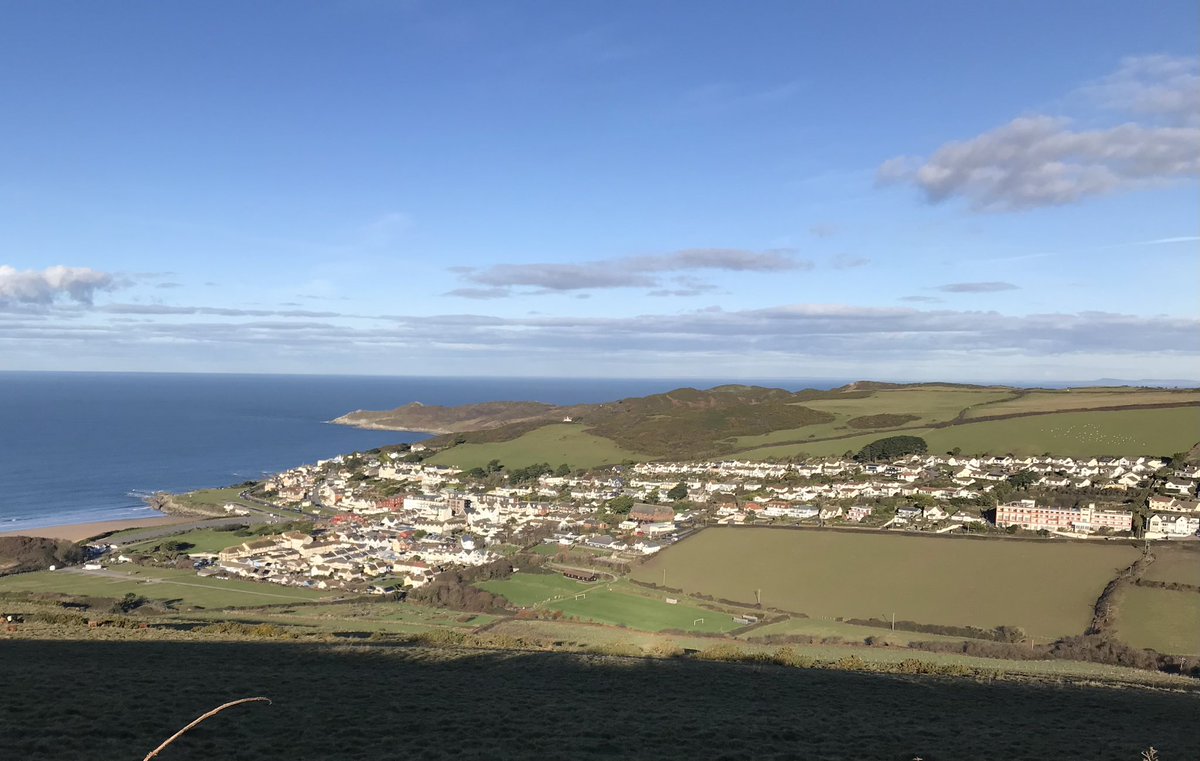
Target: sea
(83, 447)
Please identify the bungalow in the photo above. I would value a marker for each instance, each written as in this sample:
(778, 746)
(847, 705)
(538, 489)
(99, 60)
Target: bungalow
(908, 513)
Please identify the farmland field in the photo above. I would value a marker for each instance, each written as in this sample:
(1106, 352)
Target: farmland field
(1073, 434)
(1076, 434)
(393, 703)
(606, 603)
(929, 405)
(1071, 399)
(159, 584)
(1163, 619)
(553, 444)
(1178, 564)
(822, 448)
(1047, 589)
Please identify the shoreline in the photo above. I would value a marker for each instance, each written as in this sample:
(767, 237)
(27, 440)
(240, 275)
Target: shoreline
(77, 532)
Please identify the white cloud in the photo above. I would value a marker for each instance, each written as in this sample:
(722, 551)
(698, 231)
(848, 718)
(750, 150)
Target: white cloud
(77, 284)
(1037, 161)
(1160, 86)
(624, 272)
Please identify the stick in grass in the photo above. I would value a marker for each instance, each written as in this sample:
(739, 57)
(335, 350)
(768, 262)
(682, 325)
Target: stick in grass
(199, 719)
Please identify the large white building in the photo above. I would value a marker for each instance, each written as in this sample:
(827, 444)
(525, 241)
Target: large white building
(1027, 514)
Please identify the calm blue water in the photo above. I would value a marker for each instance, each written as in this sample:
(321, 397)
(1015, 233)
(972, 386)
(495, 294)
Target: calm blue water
(78, 447)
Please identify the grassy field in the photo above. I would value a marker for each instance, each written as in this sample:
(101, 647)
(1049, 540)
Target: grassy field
(821, 448)
(1073, 434)
(204, 540)
(159, 584)
(1178, 564)
(617, 603)
(928, 404)
(948, 581)
(1085, 398)
(553, 444)
(1162, 619)
(359, 703)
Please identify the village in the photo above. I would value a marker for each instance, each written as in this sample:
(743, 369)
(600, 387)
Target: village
(389, 521)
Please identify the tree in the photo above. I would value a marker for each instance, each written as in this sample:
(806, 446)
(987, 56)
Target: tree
(1022, 480)
(563, 470)
(677, 492)
(620, 505)
(892, 447)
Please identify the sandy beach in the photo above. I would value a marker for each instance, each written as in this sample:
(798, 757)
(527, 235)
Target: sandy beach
(80, 531)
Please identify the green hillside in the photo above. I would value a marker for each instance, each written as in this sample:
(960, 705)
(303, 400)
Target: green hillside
(759, 423)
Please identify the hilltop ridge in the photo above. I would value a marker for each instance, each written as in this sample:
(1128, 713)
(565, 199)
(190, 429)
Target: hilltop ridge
(759, 422)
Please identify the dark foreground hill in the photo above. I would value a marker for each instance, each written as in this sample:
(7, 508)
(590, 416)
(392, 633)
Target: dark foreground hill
(119, 699)
(19, 554)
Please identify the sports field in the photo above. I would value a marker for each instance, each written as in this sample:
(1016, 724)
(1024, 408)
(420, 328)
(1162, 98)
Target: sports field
(1047, 589)
(617, 603)
(553, 444)
(1162, 619)
(159, 584)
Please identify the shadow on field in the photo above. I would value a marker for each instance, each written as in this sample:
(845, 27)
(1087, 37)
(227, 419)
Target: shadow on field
(118, 700)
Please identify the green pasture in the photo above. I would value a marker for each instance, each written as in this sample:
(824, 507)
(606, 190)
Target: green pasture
(159, 584)
(1072, 434)
(1177, 564)
(1082, 398)
(1076, 434)
(554, 444)
(822, 447)
(1165, 620)
(1047, 589)
(607, 603)
(929, 404)
(204, 540)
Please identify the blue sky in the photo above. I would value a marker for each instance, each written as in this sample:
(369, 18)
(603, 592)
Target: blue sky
(929, 190)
